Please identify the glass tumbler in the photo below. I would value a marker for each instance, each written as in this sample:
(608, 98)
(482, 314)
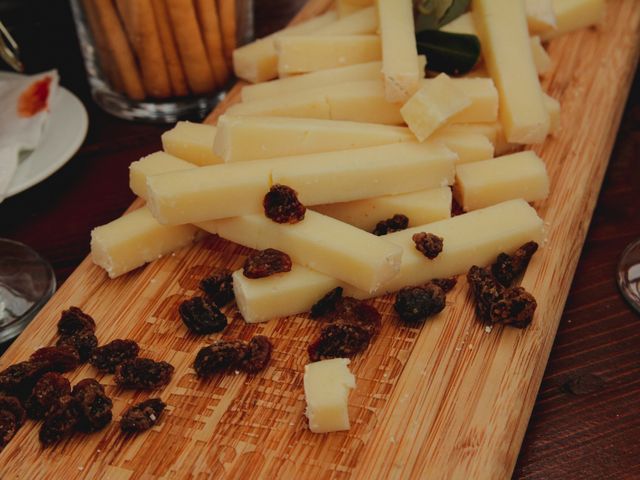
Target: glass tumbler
(160, 60)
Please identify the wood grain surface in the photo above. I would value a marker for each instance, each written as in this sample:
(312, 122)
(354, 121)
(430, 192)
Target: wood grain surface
(446, 401)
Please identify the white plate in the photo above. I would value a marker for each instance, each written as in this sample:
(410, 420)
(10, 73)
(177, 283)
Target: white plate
(63, 135)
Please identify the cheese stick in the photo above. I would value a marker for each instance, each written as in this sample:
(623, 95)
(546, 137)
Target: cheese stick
(362, 22)
(192, 142)
(575, 14)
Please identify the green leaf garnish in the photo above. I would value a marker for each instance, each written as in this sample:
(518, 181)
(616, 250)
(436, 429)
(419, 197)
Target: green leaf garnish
(433, 14)
(451, 53)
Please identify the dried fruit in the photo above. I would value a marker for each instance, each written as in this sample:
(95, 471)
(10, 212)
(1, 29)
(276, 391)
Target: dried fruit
(8, 427)
(264, 263)
(60, 359)
(143, 373)
(220, 356)
(107, 357)
(142, 416)
(13, 405)
(429, 244)
(350, 310)
(326, 304)
(75, 320)
(281, 205)
(486, 290)
(218, 288)
(46, 394)
(258, 355)
(84, 342)
(508, 267)
(19, 379)
(394, 224)
(94, 405)
(202, 317)
(416, 304)
(515, 307)
(61, 422)
(339, 340)
(446, 284)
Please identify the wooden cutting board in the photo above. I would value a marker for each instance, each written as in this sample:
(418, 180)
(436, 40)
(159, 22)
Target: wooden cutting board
(449, 400)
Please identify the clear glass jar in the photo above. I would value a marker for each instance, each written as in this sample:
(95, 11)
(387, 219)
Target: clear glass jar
(160, 60)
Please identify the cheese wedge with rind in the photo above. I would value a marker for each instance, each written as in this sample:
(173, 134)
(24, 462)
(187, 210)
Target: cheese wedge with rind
(192, 142)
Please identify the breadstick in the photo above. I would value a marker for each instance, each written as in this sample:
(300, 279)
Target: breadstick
(191, 46)
(227, 9)
(210, 25)
(174, 66)
(119, 47)
(140, 25)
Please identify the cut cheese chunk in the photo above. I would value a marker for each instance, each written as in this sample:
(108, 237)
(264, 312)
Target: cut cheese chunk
(420, 207)
(308, 53)
(135, 239)
(192, 142)
(488, 130)
(242, 138)
(436, 101)
(540, 15)
(469, 147)
(326, 389)
(318, 242)
(348, 7)
(521, 175)
(401, 76)
(553, 107)
(361, 22)
(575, 14)
(502, 29)
(540, 56)
(366, 172)
(258, 61)
(484, 100)
(154, 164)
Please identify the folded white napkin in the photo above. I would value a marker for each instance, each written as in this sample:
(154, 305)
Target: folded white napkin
(24, 109)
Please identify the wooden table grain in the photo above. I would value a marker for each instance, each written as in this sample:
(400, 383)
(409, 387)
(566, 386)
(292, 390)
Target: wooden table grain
(586, 422)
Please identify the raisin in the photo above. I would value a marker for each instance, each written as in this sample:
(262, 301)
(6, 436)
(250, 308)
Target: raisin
(219, 357)
(394, 224)
(416, 304)
(143, 373)
(75, 320)
(339, 340)
(264, 263)
(515, 307)
(60, 359)
(107, 357)
(8, 427)
(61, 422)
(429, 244)
(46, 394)
(258, 355)
(84, 342)
(94, 405)
(142, 416)
(486, 290)
(13, 405)
(350, 310)
(326, 304)
(218, 288)
(446, 284)
(281, 205)
(202, 317)
(19, 379)
(508, 267)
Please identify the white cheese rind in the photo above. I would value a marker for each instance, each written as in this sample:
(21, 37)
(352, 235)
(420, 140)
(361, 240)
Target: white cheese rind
(192, 142)
(575, 14)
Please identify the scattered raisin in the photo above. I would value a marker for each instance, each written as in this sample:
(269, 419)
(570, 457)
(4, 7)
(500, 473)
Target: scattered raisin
(75, 320)
(218, 288)
(508, 267)
(46, 394)
(485, 290)
(143, 373)
(446, 284)
(202, 317)
(339, 340)
(84, 342)
(281, 205)
(107, 357)
(94, 405)
(394, 224)
(142, 416)
(13, 405)
(429, 244)
(61, 422)
(264, 263)
(326, 304)
(350, 310)
(60, 359)
(220, 356)
(416, 304)
(8, 427)
(258, 355)
(515, 307)
(19, 379)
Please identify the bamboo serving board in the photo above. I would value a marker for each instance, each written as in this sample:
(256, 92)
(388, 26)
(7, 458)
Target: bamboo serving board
(449, 400)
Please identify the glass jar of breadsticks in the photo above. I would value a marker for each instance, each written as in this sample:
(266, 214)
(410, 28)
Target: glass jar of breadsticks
(160, 60)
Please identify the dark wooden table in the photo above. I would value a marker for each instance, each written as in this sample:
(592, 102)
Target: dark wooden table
(586, 421)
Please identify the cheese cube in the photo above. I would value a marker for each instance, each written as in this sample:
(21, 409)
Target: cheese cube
(540, 15)
(192, 142)
(553, 107)
(521, 175)
(135, 239)
(361, 22)
(502, 29)
(154, 164)
(398, 49)
(318, 242)
(540, 56)
(348, 7)
(421, 207)
(575, 14)
(436, 102)
(326, 389)
(308, 53)
(469, 147)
